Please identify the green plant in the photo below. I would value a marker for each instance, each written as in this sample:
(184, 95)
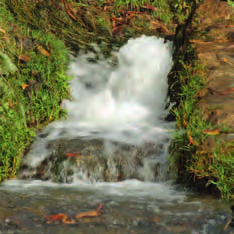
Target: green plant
(32, 86)
(231, 3)
(190, 162)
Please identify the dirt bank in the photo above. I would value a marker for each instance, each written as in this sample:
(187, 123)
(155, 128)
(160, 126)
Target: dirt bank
(206, 158)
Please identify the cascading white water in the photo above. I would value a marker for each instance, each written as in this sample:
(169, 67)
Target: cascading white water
(125, 104)
(133, 96)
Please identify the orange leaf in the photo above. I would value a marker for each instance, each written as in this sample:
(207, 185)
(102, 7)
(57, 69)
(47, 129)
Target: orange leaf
(24, 58)
(227, 224)
(155, 219)
(59, 216)
(88, 214)
(24, 86)
(43, 51)
(211, 132)
(100, 207)
(72, 155)
(191, 141)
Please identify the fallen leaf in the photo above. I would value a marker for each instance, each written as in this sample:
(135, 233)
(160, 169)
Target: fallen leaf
(211, 132)
(24, 58)
(43, 51)
(100, 207)
(227, 224)
(60, 216)
(24, 86)
(206, 42)
(90, 214)
(155, 219)
(72, 155)
(191, 141)
(68, 10)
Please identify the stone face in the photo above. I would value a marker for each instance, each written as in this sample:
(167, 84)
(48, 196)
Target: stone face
(216, 51)
(99, 160)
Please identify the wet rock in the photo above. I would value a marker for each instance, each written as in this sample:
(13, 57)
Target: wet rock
(99, 160)
(215, 50)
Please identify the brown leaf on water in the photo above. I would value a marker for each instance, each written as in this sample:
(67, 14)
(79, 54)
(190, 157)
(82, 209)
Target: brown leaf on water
(155, 219)
(227, 224)
(72, 154)
(59, 217)
(55, 217)
(90, 214)
(100, 207)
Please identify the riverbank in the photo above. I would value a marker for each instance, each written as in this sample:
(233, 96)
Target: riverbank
(204, 155)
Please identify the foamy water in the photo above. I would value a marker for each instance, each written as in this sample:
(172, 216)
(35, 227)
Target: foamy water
(128, 188)
(125, 104)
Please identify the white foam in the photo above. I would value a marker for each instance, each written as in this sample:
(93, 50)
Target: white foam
(127, 188)
(114, 101)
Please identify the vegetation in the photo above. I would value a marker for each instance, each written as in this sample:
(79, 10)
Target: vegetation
(37, 37)
(31, 94)
(193, 163)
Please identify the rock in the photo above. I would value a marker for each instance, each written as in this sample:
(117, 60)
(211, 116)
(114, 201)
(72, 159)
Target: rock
(99, 160)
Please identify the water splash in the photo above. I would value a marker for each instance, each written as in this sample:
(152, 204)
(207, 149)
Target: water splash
(125, 103)
(131, 97)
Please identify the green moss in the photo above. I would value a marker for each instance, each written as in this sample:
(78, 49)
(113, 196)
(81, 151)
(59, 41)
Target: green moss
(32, 93)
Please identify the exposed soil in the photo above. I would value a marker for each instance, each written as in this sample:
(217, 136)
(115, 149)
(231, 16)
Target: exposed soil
(211, 35)
(216, 49)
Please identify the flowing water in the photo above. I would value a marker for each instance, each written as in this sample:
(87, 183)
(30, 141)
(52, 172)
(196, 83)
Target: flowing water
(116, 122)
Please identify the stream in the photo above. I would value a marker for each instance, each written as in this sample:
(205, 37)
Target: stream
(104, 169)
